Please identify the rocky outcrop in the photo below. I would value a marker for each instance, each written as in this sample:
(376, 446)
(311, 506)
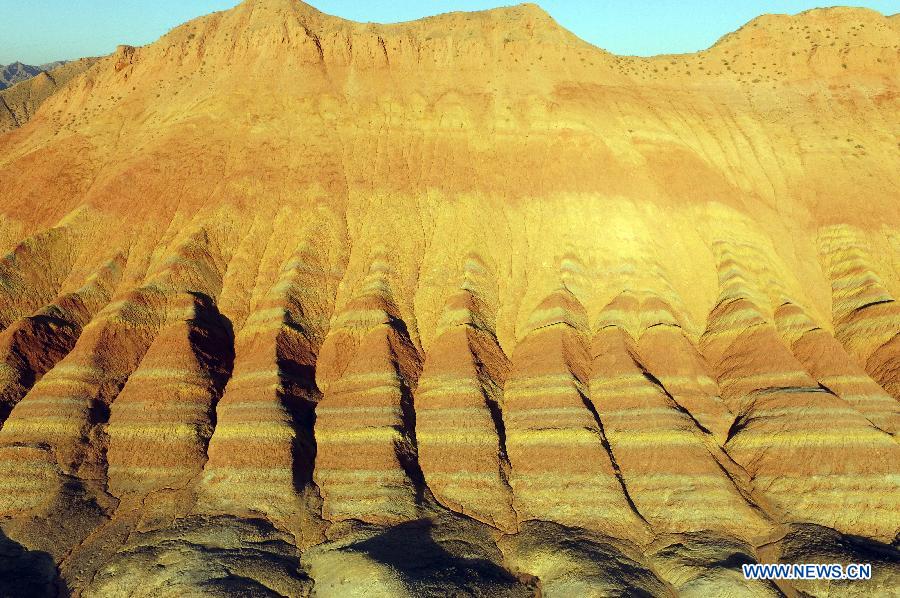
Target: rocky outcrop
(366, 461)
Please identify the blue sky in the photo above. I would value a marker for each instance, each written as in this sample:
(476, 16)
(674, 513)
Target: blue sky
(38, 31)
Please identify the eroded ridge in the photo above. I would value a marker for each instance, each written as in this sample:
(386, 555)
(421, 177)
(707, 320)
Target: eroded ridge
(669, 353)
(58, 430)
(812, 456)
(459, 421)
(562, 468)
(866, 315)
(366, 461)
(33, 345)
(161, 422)
(672, 476)
(827, 361)
(262, 452)
(316, 186)
(32, 274)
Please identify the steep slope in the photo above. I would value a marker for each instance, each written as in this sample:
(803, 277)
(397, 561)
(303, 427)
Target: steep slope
(461, 305)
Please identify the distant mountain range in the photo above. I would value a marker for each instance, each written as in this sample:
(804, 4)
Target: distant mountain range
(24, 87)
(10, 74)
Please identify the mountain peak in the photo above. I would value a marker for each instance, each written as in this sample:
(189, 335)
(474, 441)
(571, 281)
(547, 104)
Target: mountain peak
(274, 4)
(514, 19)
(273, 34)
(833, 23)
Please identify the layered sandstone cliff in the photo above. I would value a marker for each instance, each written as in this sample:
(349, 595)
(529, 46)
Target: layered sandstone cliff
(291, 303)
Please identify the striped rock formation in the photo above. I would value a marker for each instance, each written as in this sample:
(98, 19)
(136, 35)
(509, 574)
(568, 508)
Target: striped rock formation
(59, 428)
(366, 465)
(161, 421)
(262, 452)
(674, 471)
(32, 345)
(465, 466)
(292, 305)
(811, 455)
(670, 356)
(562, 467)
(865, 312)
(829, 364)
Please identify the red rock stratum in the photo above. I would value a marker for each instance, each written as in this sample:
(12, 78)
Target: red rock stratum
(294, 304)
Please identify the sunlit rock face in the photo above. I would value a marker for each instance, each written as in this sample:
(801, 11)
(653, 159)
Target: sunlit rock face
(291, 304)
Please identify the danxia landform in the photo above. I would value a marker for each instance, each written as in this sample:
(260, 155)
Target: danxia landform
(297, 305)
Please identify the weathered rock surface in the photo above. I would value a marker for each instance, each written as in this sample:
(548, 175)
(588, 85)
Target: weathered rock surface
(291, 305)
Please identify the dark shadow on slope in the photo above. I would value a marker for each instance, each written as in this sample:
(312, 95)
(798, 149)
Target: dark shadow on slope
(595, 563)
(407, 452)
(26, 572)
(299, 397)
(612, 456)
(211, 337)
(814, 542)
(35, 348)
(5, 410)
(430, 569)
